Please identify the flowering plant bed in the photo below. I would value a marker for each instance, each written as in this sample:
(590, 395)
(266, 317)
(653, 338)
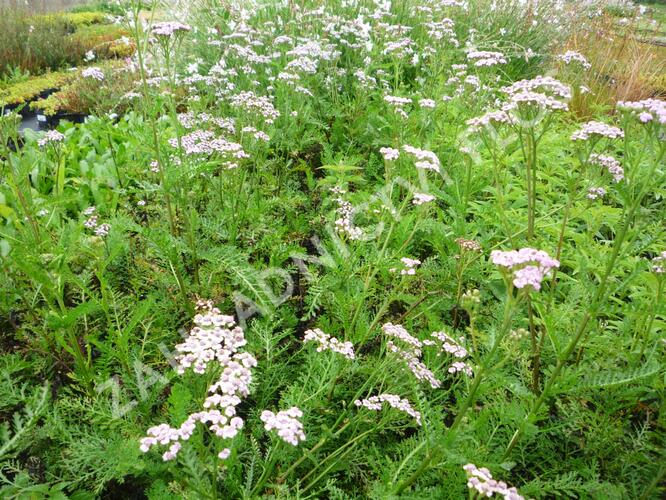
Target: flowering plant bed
(340, 249)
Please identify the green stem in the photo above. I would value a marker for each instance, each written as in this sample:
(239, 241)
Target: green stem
(589, 315)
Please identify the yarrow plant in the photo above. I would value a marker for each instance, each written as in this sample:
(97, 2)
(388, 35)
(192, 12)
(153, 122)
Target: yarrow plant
(286, 423)
(375, 403)
(596, 130)
(94, 73)
(51, 137)
(527, 267)
(215, 340)
(326, 342)
(481, 481)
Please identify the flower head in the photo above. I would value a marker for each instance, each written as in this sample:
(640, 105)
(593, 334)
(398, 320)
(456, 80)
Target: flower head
(647, 110)
(659, 263)
(527, 266)
(52, 136)
(326, 342)
(94, 73)
(286, 423)
(595, 129)
(170, 28)
(481, 480)
(374, 403)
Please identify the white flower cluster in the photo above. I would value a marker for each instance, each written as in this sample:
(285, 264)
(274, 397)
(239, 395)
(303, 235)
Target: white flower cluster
(286, 422)
(216, 339)
(326, 342)
(440, 30)
(528, 266)
(189, 120)
(421, 198)
(427, 103)
(571, 56)
(543, 84)
(251, 102)
(94, 73)
(659, 263)
(205, 142)
(401, 48)
(398, 104)
(374, 403)
(169, 28)
(609, 163)
(410, 354)
(537, 99)
(92, 222)
(491, 117)
(449, 345)
(460, 367)
(596, 129)
(594, 193)
(542, 92)
(426, 160)
(410, 266)
(482, 481)
(648, 110)
(389, 154)
(345, 223)
(486, 58)
(51, 136)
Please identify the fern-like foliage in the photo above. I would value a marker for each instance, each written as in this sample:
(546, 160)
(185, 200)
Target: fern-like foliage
(616, 378)
(13, 436)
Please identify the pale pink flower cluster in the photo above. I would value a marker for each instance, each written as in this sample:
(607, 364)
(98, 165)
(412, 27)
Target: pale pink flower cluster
(534, 99)
(659, 263)
(205, 142)
(262, 105)
(169, 28)
(412, 352)
(426, 160)
(92, 222)
(571, 56)
(468, 245)
(215, 338)
(596, 129)
(482, 481)
(401, 48)
(399, 332)
(189, 120)
(543, 84)
(427, 103)
(594, 193)
(486, 58)
(51, 136)
(257, 134)
(410, 356)
(286, 422)
(326, 342)
(609, 163)
(421, 198)
(345, 223)
(94, 73)
(648, 110)
(410, 266)
(528, 266)
(398, 104)
(543, 92)
(494, 117)
(374, 403)
(449, 345)
(389, 154)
